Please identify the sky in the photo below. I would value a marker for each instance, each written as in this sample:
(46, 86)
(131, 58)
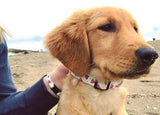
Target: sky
(28, 18)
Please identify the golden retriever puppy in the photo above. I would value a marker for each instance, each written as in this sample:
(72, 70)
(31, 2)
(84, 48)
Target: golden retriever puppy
(101, 47)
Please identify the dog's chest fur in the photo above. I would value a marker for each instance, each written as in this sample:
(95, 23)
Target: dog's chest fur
(79, 98)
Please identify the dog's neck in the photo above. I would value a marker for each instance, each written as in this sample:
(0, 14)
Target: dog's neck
(88, 79)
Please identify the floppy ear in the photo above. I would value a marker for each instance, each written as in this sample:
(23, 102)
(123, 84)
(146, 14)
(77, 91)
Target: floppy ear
(69, 43)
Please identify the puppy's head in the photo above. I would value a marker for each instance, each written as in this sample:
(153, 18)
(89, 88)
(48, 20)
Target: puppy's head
(107, 38)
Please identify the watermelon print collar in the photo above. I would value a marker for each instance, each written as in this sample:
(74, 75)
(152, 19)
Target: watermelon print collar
(98, 85)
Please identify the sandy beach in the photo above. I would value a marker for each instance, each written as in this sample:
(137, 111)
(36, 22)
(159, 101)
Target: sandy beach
(144, 93)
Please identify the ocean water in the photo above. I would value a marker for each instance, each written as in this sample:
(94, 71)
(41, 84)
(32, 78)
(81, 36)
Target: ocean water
(35, 46)
(10, 54)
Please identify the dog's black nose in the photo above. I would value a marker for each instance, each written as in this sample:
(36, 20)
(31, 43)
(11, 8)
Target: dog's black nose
(146, 56)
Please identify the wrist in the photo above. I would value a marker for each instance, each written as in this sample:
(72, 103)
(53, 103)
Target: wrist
(51, 86)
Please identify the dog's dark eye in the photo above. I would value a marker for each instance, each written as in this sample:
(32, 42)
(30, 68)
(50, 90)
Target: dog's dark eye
(135, 28)
(111, 27)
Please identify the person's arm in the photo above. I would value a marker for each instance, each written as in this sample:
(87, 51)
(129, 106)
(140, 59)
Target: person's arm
(36, 100)
(40, 96)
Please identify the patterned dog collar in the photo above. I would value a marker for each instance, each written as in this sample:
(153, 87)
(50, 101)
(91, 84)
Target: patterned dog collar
(98, 85)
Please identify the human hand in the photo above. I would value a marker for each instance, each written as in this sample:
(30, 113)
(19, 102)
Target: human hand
(57, 76)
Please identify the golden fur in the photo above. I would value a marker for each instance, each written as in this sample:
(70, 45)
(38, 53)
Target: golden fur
(83, 47)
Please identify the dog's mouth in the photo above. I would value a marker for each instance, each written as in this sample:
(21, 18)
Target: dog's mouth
(131, 73)
(134, 73)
